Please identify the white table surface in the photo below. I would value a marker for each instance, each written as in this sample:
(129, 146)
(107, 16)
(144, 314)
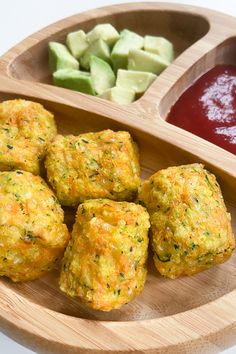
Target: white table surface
(20, 18)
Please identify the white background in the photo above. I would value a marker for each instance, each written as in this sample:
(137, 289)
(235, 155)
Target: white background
(20, 18)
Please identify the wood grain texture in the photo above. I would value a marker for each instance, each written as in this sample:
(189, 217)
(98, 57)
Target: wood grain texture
(188, 315)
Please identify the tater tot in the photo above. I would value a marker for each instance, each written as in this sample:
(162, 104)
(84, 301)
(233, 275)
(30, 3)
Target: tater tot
(33, 236)
(93, 165)
(105, 262)
(26, 129)
(191, 229)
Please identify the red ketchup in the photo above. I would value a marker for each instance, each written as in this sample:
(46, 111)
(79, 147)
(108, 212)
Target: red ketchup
(208, 107)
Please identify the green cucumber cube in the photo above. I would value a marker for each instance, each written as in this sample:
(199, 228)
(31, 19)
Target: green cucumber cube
(119, 55)
(160, 46)
(77, 43)
(138, 81)
(100, 49)
(119, 95)
(60, 57)
(103, 31)
(74, 80)
(144, 61)
(102, 75)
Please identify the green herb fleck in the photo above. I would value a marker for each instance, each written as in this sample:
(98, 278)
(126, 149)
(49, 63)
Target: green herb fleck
(18, 197)
(164, 258)
(208, 181)
(85, 141)
(29, 237)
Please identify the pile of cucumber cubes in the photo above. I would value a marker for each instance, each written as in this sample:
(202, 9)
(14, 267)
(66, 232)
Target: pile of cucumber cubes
(115, 66)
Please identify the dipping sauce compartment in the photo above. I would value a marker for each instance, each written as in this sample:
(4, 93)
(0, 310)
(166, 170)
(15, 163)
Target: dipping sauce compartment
(208, 107)
(223, 55)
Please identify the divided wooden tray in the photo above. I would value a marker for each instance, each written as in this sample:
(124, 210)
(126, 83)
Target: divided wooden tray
(189, 315)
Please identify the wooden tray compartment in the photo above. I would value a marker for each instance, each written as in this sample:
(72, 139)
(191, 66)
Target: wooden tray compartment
(211, 284)
(189, 315)
(182, 28)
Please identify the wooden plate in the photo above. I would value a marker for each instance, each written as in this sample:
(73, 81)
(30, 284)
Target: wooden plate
(189, 315)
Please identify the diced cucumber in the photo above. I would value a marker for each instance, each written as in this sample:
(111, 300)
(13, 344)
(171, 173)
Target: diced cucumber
(144, 61)
(60, 57)
(103, 31)
(77, 43)
(119, 55)
(100, 49)
(119, 95)
(160, 46)
(102, 75)
(74, 80)
(138, 81)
